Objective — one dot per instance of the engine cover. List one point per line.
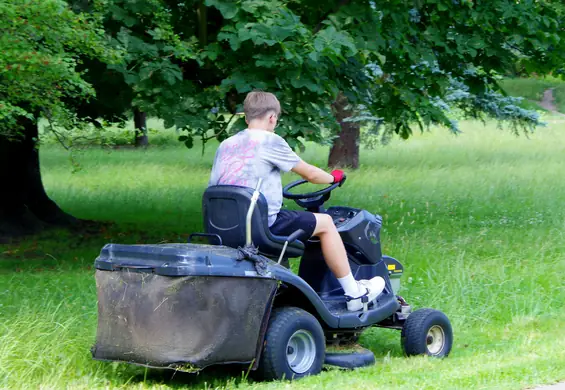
(360, 232)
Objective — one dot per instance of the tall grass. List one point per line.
(476, 219)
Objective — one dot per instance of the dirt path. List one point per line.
(548, 101)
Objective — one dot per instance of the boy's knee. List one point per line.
(324, 222)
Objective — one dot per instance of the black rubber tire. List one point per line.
(414, 336)
(284, 322)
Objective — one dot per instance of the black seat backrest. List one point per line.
(225, 209)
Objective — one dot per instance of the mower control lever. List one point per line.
(293, 237)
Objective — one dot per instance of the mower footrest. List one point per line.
(350, 359)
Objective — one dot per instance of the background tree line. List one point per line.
(390, 66)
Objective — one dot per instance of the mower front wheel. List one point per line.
(427, 332)
(294, 345)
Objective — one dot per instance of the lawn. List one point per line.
(476, 219)
(532, 89)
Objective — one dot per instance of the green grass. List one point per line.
(559, 94)
(532, 89)
(476, 219)
(110, 136)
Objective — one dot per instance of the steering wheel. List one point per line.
(311, 201)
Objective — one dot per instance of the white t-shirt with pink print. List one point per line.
(252, 154)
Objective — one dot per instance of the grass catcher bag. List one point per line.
(181, 306)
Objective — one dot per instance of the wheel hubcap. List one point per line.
(435, 340)
(301, 351)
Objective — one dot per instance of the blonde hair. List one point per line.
(258, 104)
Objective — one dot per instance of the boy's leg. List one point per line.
(333, 251)
(335, 257)
(332, 246)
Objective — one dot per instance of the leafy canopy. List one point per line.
(151, 51)
(398, 62)
(191, 62)
(40, 41)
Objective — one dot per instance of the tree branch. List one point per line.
(223, 129)
(58, 135)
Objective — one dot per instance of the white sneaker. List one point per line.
(370, 289)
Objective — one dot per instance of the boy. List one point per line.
(257, 152)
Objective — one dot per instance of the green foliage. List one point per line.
(264, 45)
(40, 41)
(147, 37)
(143, 31)
(396, 61)
(399, 62)
(427, 50)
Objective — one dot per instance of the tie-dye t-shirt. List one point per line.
(252, 154)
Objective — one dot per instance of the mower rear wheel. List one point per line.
(294, 345)
(427, 332)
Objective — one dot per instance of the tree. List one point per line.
(393, 64)
(334, 65)
(142, 31)
(39, 44)
(396, 63)
(258, 44)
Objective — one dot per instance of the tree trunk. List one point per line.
(24, 205)
(202, 13)
(345, 150)
(140, 122)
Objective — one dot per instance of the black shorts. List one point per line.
(289, 221)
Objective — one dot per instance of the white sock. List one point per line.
(349, 285)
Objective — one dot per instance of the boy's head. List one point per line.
(262, 110)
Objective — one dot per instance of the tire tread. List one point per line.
(411, 332)
(280, 318)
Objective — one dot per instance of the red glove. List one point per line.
(339, 176)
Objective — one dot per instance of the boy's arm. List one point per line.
(282, 156)
(312, 174)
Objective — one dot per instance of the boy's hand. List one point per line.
(339, 176)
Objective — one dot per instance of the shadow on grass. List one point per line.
(213, 376)
(384, 343)
(63, 248)
(233, 375)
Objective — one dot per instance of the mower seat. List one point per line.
(225, 209)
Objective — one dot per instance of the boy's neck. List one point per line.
(261, 126)
(259, 129)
